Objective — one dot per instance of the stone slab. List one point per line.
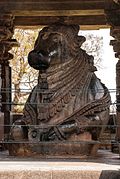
(105, 166)
(58, 170)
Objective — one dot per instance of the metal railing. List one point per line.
(106, 140)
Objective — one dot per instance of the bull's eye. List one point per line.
(56, 38)
(44, 36)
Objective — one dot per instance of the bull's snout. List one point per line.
(38, 60)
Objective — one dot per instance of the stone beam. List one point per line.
(47, 20)
(29, 5)
(34, 13)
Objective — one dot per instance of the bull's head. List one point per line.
(55, 44)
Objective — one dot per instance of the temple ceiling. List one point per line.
(33, 13)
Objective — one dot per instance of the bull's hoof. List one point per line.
(19, 131)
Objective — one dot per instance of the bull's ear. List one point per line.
(75, 28)
(37, 42)
(81, 40)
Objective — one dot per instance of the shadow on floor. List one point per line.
(110, 174)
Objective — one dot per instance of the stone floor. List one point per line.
(105, 165)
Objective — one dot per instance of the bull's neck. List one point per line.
(60, 75)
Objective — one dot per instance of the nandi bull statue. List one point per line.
(65, 111)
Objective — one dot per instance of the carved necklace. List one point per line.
(64, 84)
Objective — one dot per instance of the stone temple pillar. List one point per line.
(115, 32)
(113, 19)
(6, 43)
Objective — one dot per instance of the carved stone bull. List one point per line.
(69, 103)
